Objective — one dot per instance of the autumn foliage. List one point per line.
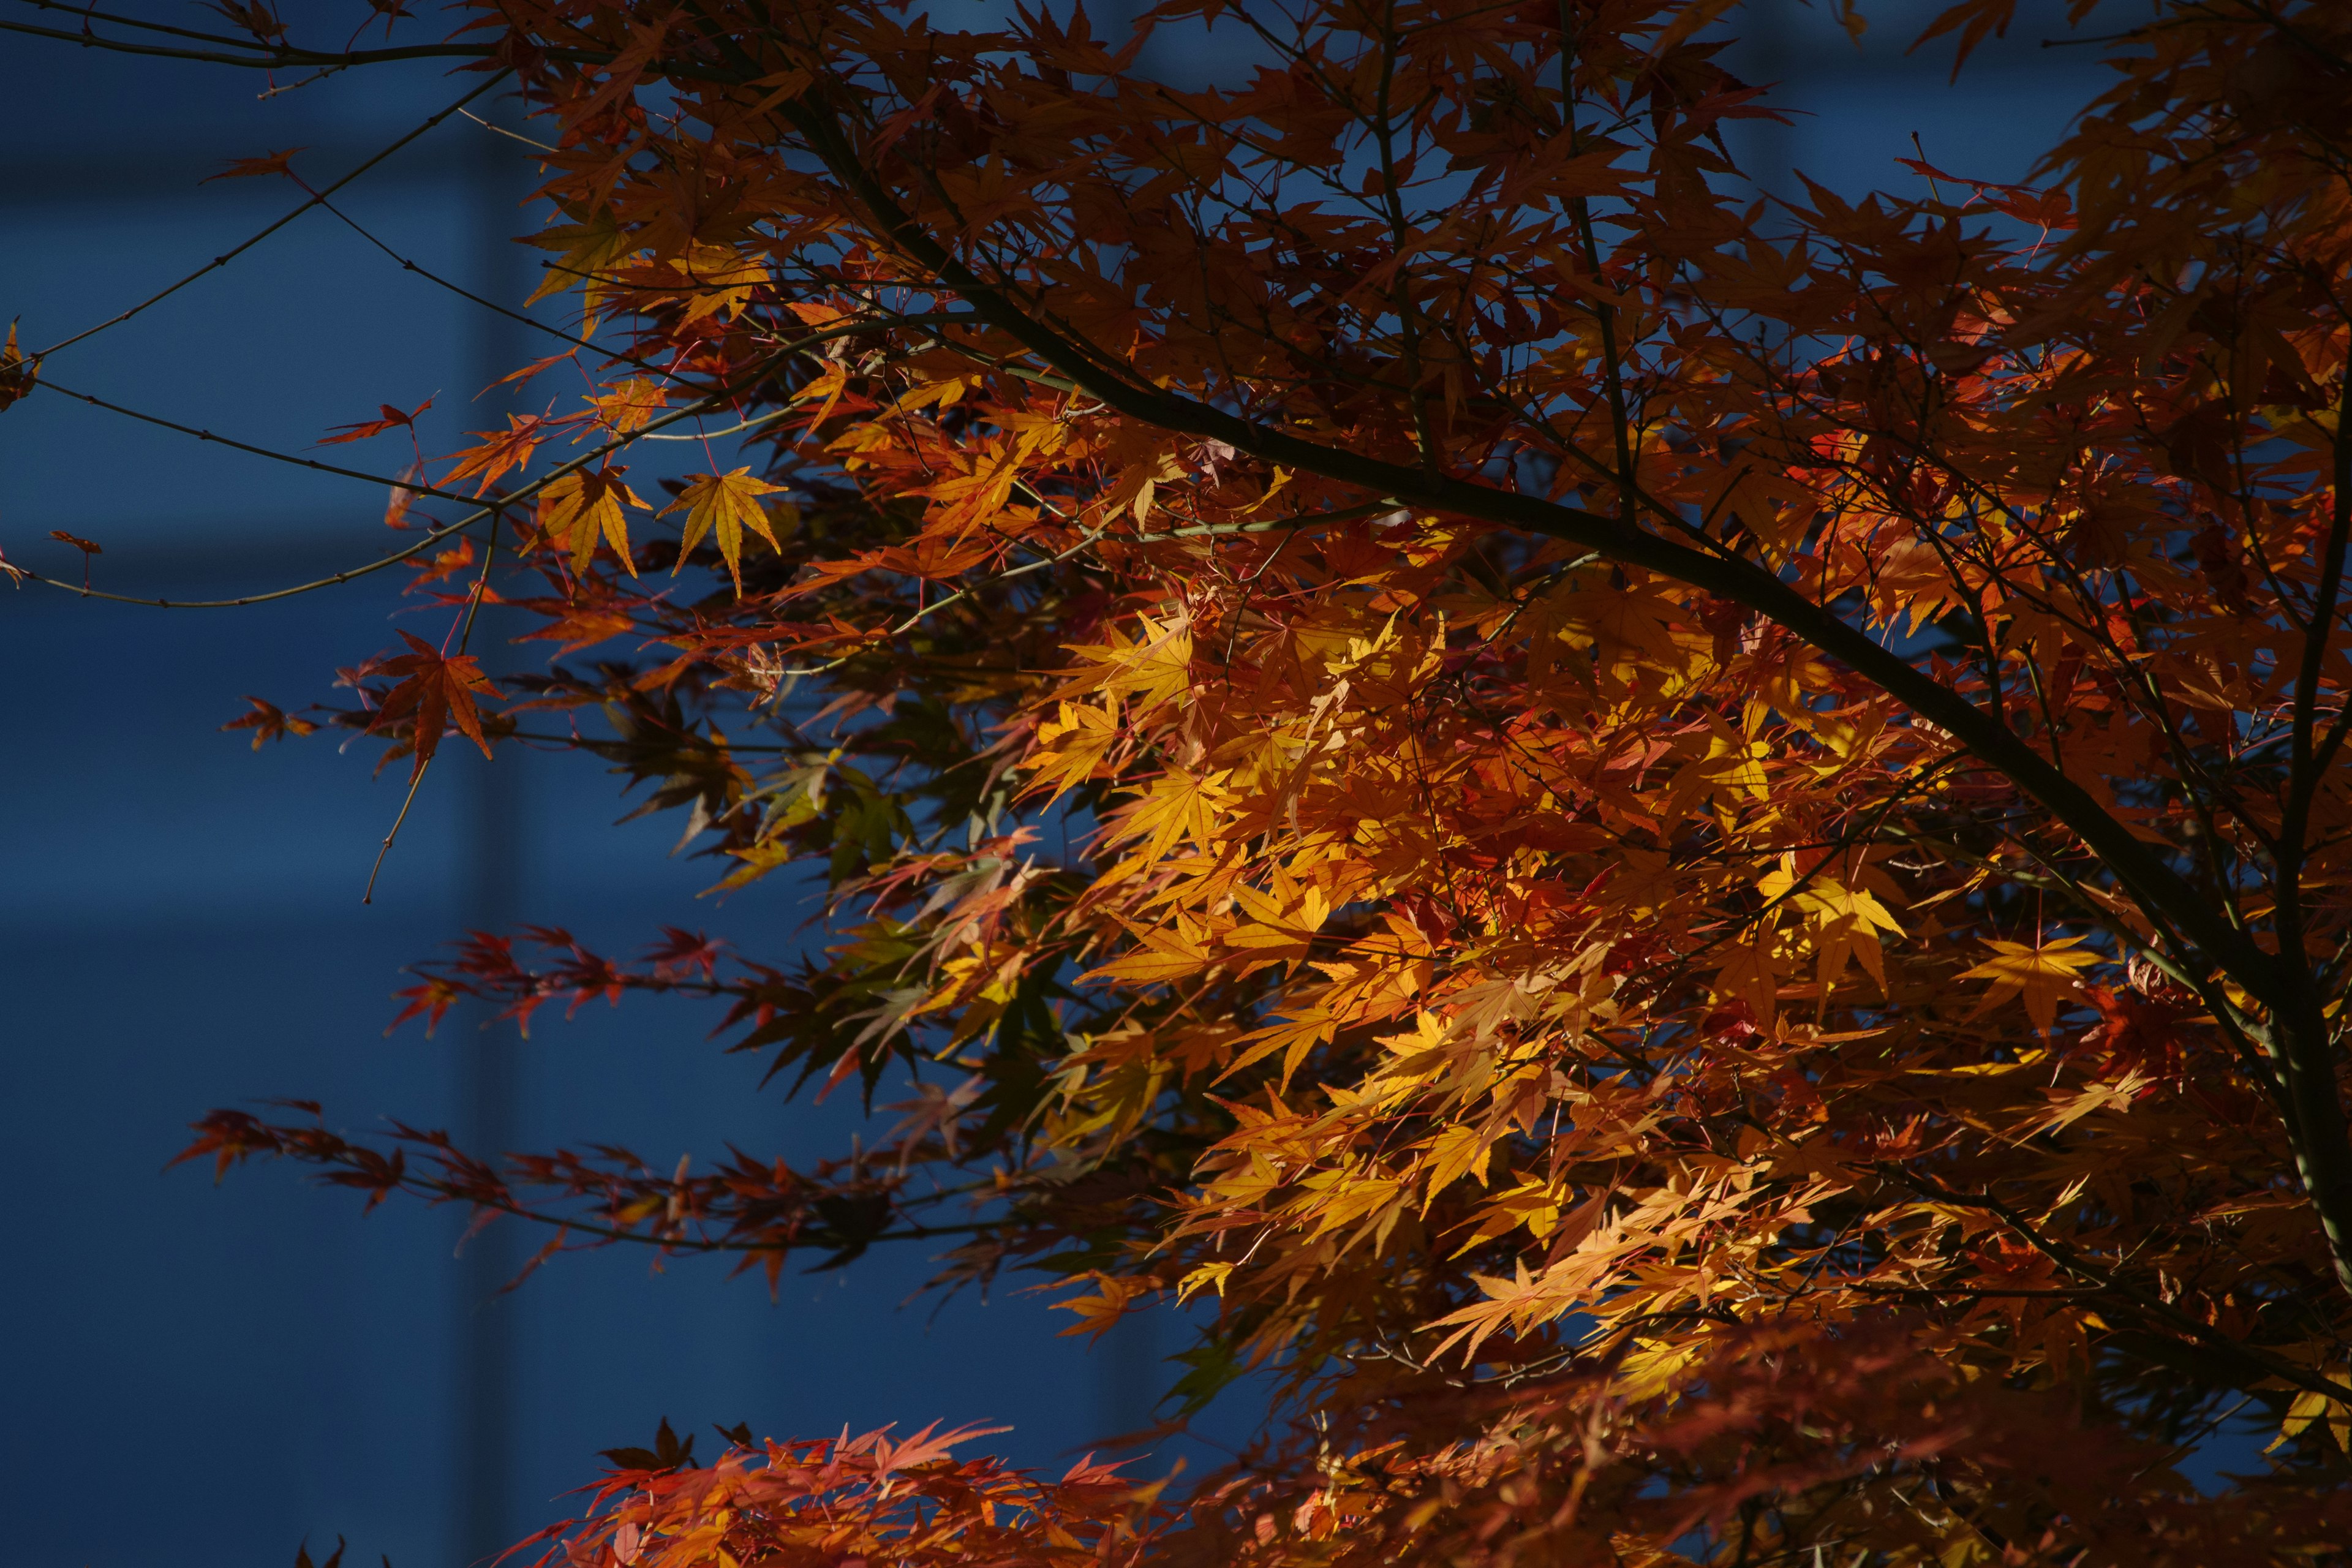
(1681, 853)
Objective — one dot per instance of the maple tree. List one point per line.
(1682, 853)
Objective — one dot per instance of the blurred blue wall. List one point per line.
(205, 1376)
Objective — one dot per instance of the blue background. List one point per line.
(207, 1375)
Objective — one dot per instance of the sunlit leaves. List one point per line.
(1679, 850)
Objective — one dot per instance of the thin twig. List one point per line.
(319, 200)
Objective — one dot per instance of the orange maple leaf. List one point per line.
(582, 505)
(500, 451)
(2044, 974)
(270, 722)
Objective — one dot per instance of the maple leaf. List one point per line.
(582, 506)
(668, 1452)
(1071, 746)
(630, 405)
(589, 250)
(270, 722)
(388, 418)
(2045, 974)
(727, 503)
(1181, 805)
(17, 371)
(1160, 957)
(1751, 972)
(255, 168)
(443, 564)
(717, 279)
(433, 692)
(402, 495)
(499, 451)
(255, 16)
(1973, 19)
(391, 11)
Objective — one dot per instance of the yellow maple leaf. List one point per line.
(1206, 1274)
(1293, 1037)
(580, 506)
(1070, 746)
(727, 503)
(2044, 976)
(1286, 919)
(1147, 670)
(1180, 804)
(1158, 961)
(2311, 1408)
(1458, 1151)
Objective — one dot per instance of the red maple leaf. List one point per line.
(436, 692)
